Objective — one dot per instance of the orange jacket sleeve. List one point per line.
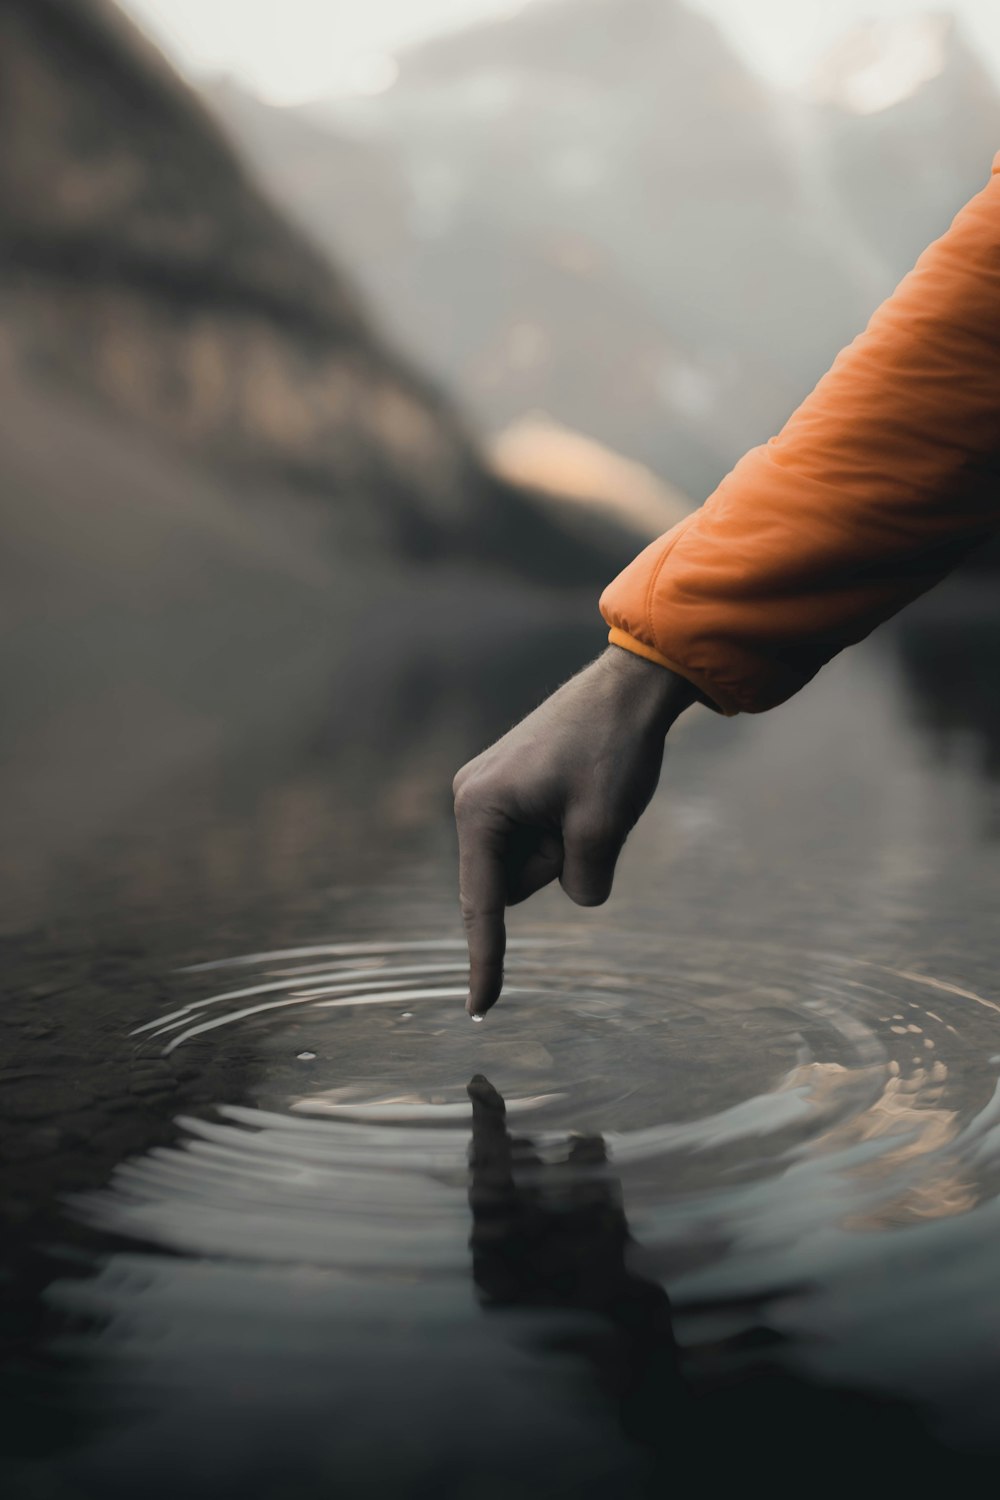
(884, 476)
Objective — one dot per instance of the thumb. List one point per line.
(591, 846)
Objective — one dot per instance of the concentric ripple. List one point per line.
(744, 1087)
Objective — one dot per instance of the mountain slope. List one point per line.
(593, 209)
(630, 134)
(140, 265)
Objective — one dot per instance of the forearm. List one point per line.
(884, 476)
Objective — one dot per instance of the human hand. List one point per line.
(556, 798)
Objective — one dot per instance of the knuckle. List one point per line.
(475, 912)
(467, 800)
(466, 774)
(482, 796)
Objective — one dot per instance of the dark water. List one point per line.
(713, 1194)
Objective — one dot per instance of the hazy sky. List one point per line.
(292, 50)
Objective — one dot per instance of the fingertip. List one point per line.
(485, 986)
(583, 894)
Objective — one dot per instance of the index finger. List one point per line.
(483, 897)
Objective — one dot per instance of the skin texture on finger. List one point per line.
(483, 896)
(589, 861)
(535, 860)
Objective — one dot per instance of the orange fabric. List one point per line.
(884, 476)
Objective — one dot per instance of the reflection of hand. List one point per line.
(550, 1234)
(557, 797)
(554, 1236)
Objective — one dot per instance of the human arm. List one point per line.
(876, 486)
(884, 476)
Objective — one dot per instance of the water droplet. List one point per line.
(477, 1019)
(407, 1015)
(306, 1056)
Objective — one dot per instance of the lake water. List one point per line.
(712, 1195)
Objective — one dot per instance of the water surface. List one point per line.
(717, 1182)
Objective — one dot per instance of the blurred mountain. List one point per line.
(600, 212)
(911, 122)
(509, 322)
(347, 191)
(141, 267)
(608, 222)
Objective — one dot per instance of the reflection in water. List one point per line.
(237, 1260)
(553, 1234)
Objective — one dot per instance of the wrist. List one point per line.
(656, 691)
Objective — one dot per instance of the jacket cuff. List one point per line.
(707, 693)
